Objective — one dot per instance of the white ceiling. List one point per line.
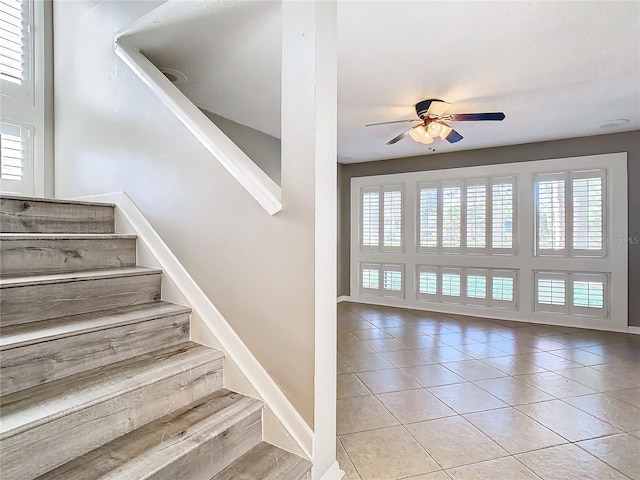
(557, 69)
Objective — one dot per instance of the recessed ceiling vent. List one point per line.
(175, 76)
(613, 124)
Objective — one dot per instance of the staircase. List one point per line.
(98, 377)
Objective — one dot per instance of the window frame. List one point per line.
(24, 91)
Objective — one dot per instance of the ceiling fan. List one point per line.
(433, 122)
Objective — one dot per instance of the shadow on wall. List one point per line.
(260, 147)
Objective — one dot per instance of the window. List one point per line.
(572, 293)
(520, 241)
(16, 161)
(16, 51)
(502, 215)
(476, 216)
(382, 279)
(570, 213)
(471, 216)
(470, 286)
(381, 219)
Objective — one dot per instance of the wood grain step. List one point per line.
(49, 425)
(266, 462)
(31, 215)
(191, 443)
(35, 298)
(38, 253)
(39, 352)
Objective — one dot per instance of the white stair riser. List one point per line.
(30, 365)
(31, 303)
(39, 256)
(44, 447)
(37, 216)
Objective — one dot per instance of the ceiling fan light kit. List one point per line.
(433, 122)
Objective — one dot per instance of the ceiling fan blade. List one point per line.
(432, 107)
(453, 137)
(474, 117)
(399, 137)
(387, 123)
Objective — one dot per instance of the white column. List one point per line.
(309, 123)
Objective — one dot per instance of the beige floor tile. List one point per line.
(441, 475)
(580, 356)
(415, 406)
(351, 349)
(473, 370)
(353, 323)
(366, 363)
(487, 336)
(513, 365)
(383, 381)
(513, 391)
(628, 395)
(371, 334)
(408, 358)
(598, 381)
(466, 398)
(431, 327)
(507, 468)
(556, 385)
(568, 462)
(350, 386)
(481, 350)
(385, 322)
(454, 339)
(432, 375)
(549, 361)
(619, 414)
(387, 345)
(406, 331)
(341, 367)
(444, 354)
(362, 413)
(568, 421)
(628, 371)
(513, 347)
(622, 452)
(387, 453)
(514, 431)
(345, 463)
(421, 341)
(635, 434)
(453, 442)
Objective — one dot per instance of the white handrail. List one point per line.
(261, 187)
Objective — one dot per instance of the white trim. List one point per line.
(343, 298)
(230, 342)
(333, 472)
(259, 185)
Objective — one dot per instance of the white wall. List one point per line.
(112, 134)
(260, 147)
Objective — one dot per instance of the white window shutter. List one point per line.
(588, 214)
(370, 219)
(16, 52)
(16, 158)
(392, 219)
(451, 224)
(428, 218)
(476, 216)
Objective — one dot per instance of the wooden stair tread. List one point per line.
(63, 236)
(15, 336)
(152, 447)
(77, 276)
(266, 462)
(55, 200)
(35, 406)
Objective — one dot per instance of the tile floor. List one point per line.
(428, 396)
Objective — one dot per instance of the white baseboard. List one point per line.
(332, 473)
(344, 298)
(129, 218)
